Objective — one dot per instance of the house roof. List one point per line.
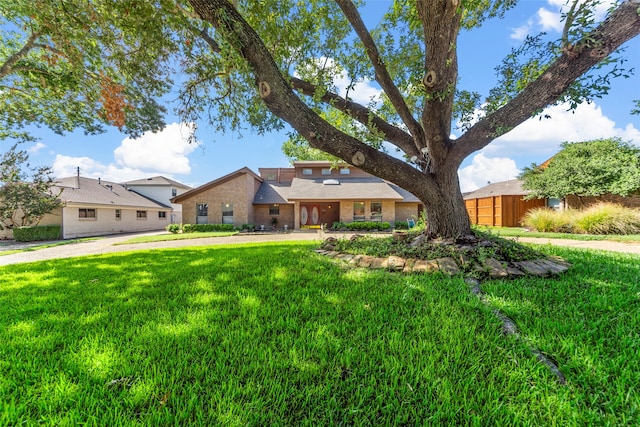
(81, 190)
(342, 188)
(406, 196)
(272, 193)
(157, 181)
(512, 187)
(216, 182)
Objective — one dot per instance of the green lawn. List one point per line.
(521, 232)
(273, 334)
(181, 236)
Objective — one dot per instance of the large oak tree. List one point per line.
(293, 50)
(77, 63)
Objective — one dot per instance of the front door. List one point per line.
(315, 214)
(309, 214)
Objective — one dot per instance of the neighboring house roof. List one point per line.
(342, 188)
(157, 181)
(406, 196)
(512, 187)
(272, 193)
(81, 190)
(215, 182)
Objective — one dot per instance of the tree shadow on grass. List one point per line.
(254, 335)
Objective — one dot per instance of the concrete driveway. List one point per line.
(108, 244)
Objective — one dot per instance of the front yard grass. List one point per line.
(180, 236)
(273, 334)
(522, 232)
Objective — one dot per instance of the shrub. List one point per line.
(35, 233)
(361, 226)
(247, 227)
(201, 228)
(401, 225)
(545, 219)
(173, 228)
(608, 218)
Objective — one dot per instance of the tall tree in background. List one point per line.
(289, 52)
(583, 169)
(25, 191)
(75, 63)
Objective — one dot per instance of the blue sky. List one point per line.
(113, 156)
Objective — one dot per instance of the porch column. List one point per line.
(296, 215)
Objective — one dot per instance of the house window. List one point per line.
(307, 171)
(227, 213)
(345, 171)
(326, 171)
(174, 192)
(118, 214)
(141, 214)
(162, 215)
(274, 209)
(202, 213)
(270, 176)
(358, 211)
(376, 211)
(86, 213)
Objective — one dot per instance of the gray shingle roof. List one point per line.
(406, 196)
(157, 180)
(513, 187)
(272, 192)
(91, 192)
(348, 188)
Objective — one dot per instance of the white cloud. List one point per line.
(36, 148)
(521, 32)
(161, 153)
(542, 136)
(549, 20)
(484, 170)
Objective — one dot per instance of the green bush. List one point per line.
(608, 218)
(401, 225)
(173, 228)
(247, 227)
(361, 226)
(201, 228)
(36, 233)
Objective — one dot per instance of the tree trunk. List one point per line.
(447, 215)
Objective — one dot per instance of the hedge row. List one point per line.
(361, 226)
(199, 228)
(37, 233)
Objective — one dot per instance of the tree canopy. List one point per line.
(274, 62)
(592, 168)
(25, 191)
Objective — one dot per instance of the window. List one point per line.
(141, 214)
(358, 211)
(202, 209)
(162, 215)
(118, 214)
(86, 213)
(274, 210)
(307, 171)
(174, 192)
(376, 211)
(270, 176)
(326, 171)
(227, 213)
(345, 171)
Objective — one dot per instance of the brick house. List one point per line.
(309, 194)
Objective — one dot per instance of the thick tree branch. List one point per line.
(393, 134)
(278, 96)
(382, 74)
(8, 65)
(441, 24)
(622, 25)
(204, 34)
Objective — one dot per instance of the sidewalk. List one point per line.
(107, 244)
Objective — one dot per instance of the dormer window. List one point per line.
(307, 171)
(345, 171)
(326, 171)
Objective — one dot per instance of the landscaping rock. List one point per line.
(495, 268)
(365, 261)
(532, 268)
(396, 262)
(379, 263)
(448, 266)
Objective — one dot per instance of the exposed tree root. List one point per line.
(509, 328)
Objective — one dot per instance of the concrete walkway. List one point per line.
(108, 244)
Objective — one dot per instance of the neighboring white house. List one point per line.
(94, 207)
(162, 190)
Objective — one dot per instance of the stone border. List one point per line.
(492, 268)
